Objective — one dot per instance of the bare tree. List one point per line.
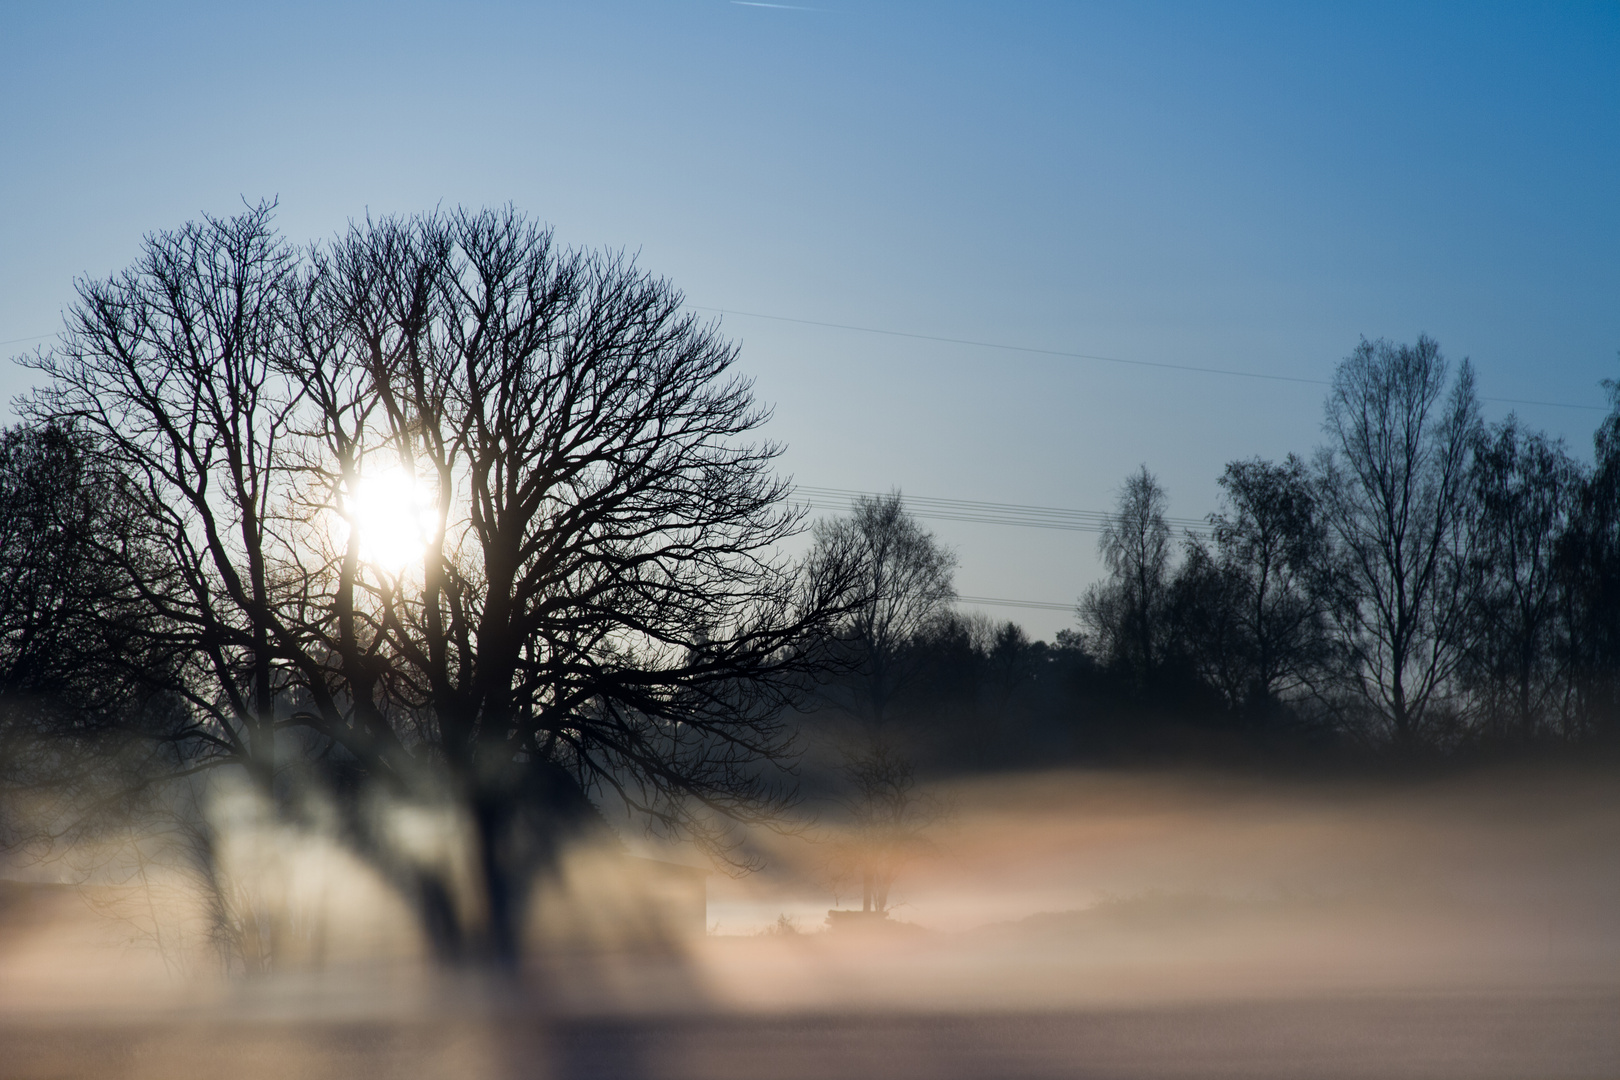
(595, 608)
(1126, 616)
(1394, 495)
(889, 823)
(1251, 604)
(906, 591)
(905, 594)
(601, 608)
(1588, 566)
(82, 702)
(168, 370)
(1523, 487)
(167, 367)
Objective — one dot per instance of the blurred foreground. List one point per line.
(1101, 924)
(1362, 1037)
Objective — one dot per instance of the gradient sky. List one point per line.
(1240, 186)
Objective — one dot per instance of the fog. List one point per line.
(1136, 922)
(1083, 888)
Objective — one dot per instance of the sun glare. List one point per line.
(394, 515)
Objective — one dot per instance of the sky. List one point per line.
(1242, 187)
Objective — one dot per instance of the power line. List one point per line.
(996, 601)
(1093, 356)
(1016, 348)
(837, 500)
(976, 504)
(1064, 353)
(834, 507)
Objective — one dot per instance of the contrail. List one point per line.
(782, 7)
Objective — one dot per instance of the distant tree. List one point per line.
(54, 649)
(1012, 665)
(976, 690)
(886, 647)
(1394, 495)
(83, 670)
(1206, 615)
(88, 717)
(1524, 488)
(906, 592)
(1588, 566)
(1127, 616)
(1251, 609)
(46, 513)
(889, 823)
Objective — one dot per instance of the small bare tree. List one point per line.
(889, 823)
(1127, 616)
(906, 590)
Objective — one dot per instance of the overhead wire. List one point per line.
(1066, 354)
(839, 500)
(974, 511)
(1038, 351)
(996, 601)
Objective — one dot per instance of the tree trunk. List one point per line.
(503, 884)
(441, 922)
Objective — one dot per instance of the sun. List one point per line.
(394, 516)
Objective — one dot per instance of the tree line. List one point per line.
(1425, 584)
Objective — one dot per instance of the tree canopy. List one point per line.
(444, 508)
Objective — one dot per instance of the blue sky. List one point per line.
(1240, 186)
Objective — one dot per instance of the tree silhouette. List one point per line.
(889, 822)
(1251, 602)
(1524, 488)
(1127, 616)
(1394, 496)
(1588, 565)
(595, 609)
(906, 591)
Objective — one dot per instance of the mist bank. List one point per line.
(1071, 923)
(1067, 889)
